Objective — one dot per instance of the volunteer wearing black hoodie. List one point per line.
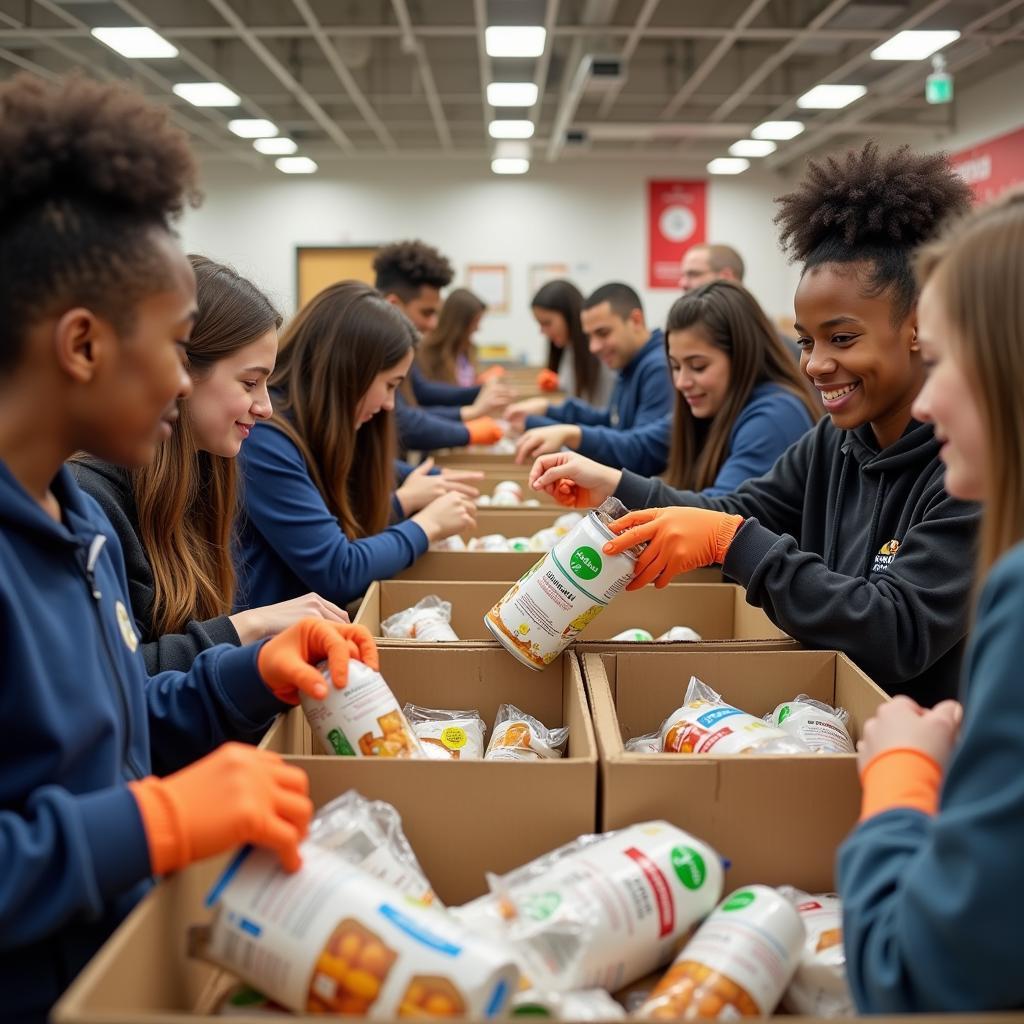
(850, 541)
(97, 301)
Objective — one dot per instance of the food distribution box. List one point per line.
(717, 611)
(476, 458)
(779, 818)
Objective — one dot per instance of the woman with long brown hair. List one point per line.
(175, 516)
(447, 354)
(319, 477)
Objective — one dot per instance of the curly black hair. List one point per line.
(405, 267)
(87, 171)
(872, 208)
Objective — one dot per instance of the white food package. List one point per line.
(634, 636)
(580, 1005)
(518, 736)
(428, 620)
(452, 543)
(650, 743)
(489, 542)
(705, 724)
(818, 726)
(680, 634)
(447, 735)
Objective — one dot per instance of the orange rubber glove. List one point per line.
(547, 380)
(492, 373)
(287, 662)
(900, 777)
(484, 430)
(572, 495)
(678, 540)
(237, 794)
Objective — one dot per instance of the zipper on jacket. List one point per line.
(117, 683)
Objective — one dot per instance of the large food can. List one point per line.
(564, 592)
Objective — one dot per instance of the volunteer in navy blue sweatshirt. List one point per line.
(929, 879)
(849, 542)
(97, 301)
(613, 320)
(319, 475)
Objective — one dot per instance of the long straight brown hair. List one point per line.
(978, 267)
(564, 298)
(330, 354)
(729, 318)
(441, 348)
(186, 498)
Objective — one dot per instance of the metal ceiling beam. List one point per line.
(413, 46)
(345, 76)
(283, 75)
(480, 18)
(629, 48)
(540, 77)
(712, 60)
(698, 130)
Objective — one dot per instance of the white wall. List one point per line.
(991, 107)
(591, 217)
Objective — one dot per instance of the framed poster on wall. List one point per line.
(540, 273)
(676, 219)
(490, 282)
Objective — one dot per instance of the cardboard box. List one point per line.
(470, 565)
(473, 458)
(778, 819)
(514, 522)
(718, 611)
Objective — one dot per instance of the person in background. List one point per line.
(850, 542)
(572, 368)
(930, 922)
(109, 776)
(175, 516)
(318, 475)
(706, 262)
(740, 400)
(613, 320)
(447, 353)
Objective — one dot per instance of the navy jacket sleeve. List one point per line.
(643, 450)
(929, 914)
(420, 431)
(437, 393)
(572, 410)
(444, 412)
(286, 508)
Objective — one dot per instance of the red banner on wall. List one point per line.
(676, 219)
(992, 167)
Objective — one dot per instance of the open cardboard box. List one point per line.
(718, 611)
(778, 819)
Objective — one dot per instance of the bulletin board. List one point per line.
(489, 281)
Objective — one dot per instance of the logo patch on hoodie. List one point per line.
(124, 623)
(885, 556)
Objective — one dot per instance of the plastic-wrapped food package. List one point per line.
(490, 542)
(519, 544)
(430, 619)
(362, 719)
(564, 592)
(453, 543)
(737, 964)
(581, 1005)
(818, 726)
(650, 743)
(705, 724)
(331, 938)
(680, 634)
(518, 736)
(447, 735)
(634, 636)
(819, 987)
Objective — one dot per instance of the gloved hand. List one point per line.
(547, 380)
(572, 495)
(237, 794)
(287, 662)
(492, 373)
(679, 539)
(484, 430)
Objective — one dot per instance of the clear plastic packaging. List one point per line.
(490, 542)
(430, 619)
(447, 735)
(452, 543)
(647, 744)
(518, 736)
(818, 726)
(368, 834)
(819, 988)
(705, 724)
(634, 636)
(680, 634)
(580, 1005)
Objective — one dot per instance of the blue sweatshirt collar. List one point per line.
(655, 342)
(21, 513)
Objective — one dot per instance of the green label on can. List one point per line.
(337, 739)
(738, 900)
(585, 563)
(689, 867)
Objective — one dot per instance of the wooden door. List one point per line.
(319, 266)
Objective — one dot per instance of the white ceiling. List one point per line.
(366, 79)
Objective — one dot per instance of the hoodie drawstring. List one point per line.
(875, 516)
(830, 559)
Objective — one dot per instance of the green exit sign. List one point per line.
(938, 88)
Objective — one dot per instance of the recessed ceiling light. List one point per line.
(295, 165)
(275, 147)
(510, 165)
(136, 42)
(830, 97)
(511, 129)
(252, 127)
(512, 148)
(914, 45)
(511, 94)
(207, 94)
(752, 147)
(515, 40)
(728, 165)
(780, 130)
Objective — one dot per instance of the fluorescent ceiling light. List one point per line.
(511, 94)
(509, 165)
(752, 147)
(511, 129)
(207, 94)
(275, 147)
(728, 165)
(136, 42)
(512, 148)
(830, 97)
(295, 165)
(515, 40)
(252, 127)
(780, 130)
(914, 45)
